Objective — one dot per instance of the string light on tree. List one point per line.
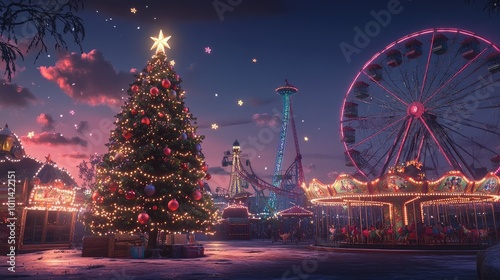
(150, 178)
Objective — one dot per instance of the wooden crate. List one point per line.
(193, 251)
(96, 246)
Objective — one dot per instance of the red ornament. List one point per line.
(113, 187)
(201, 183)
(173, 205)
(36, 180)
(149, 68)
(145, 121)
(167, 151)
(127, 135)
(153, 91)
(134, 112)
(204, 167)
(161, 115)
(135, 88)
(143, 218)
(130, 195)
(208, 176)
(100, 199)
(155, 207)
(197, 195)
(192, 135)
(184, 166)
(143, 112)
(95, 196)
(185, 109)
(166, 83)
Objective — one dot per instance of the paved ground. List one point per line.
(248, 260)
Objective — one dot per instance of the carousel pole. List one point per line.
(475, 218)
(485, 222)
(494, 221)
(446, 217)
(467, 212)
(415, 220)
(428, 217)
(366, 216)
(348, 222)
(360, 232)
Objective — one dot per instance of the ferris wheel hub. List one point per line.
(416, 109)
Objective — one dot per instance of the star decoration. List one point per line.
(133, 10)
(208, 50)
(160, 42)
(215, 126)
(172, 62)
(31, 134)
(240, 102)
(48, 159)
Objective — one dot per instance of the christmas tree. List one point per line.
(152, 177)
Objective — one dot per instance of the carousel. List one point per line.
(397, 207)
(419, 125)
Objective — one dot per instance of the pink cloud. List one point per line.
(46, 120)
(13, 95)
(53, 139)
(88, 78)
(266, 120)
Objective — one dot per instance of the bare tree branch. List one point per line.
(42, 23)
(491, 6)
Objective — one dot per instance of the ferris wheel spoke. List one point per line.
(441, 62)
(453, 146)
(454, 76)
(427, 66)
(440, 147)
(370, 137)
(458, 91)
(393, 147)
(388, 91)
(471, 139)
(420, 148)
(461, 95)
(403, 141)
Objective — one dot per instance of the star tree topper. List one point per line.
(160, 42)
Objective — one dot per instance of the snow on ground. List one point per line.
(246, 260)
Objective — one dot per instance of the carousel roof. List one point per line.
(452, 185)
(295, 211)
(235, 211)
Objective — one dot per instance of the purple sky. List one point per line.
(69, 99)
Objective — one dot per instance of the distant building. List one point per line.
(39, 200)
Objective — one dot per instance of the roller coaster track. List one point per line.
(253, 179)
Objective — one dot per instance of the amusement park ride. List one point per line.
(285, 189)
(420, 124)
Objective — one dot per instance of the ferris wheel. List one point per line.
(431, 97)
